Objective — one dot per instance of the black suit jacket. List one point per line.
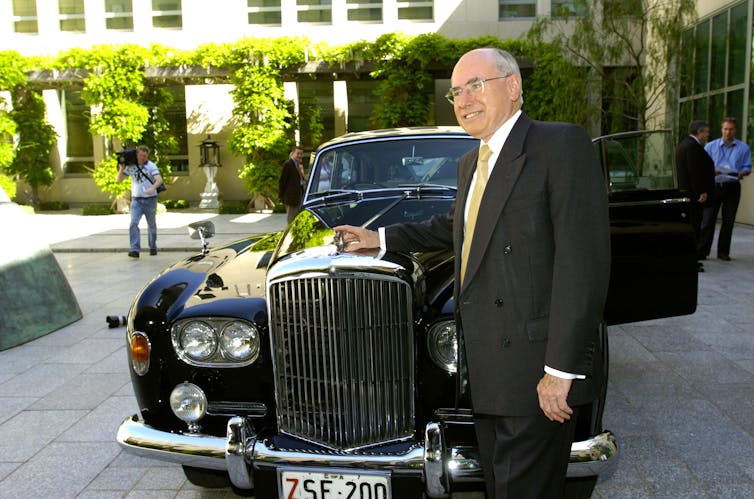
(694, 168)
(538, 269)
(290, 189)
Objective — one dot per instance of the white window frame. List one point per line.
(259, 10)
(15, 19)
(367, 6)
(516, 2)
(405, 4)
(72, 17)
(117, 15)
(166, 13)
(307, 8)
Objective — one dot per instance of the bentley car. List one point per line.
(285, 367)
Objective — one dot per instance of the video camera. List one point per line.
(127, 157)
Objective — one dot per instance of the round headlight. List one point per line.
(239, 341)
(188, 402)
(198, 340)
(442, 344)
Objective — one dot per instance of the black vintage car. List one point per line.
(281, 364)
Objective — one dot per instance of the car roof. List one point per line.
(419, 131)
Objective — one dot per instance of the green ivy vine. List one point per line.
(129, 108)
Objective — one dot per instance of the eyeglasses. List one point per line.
(476, 85)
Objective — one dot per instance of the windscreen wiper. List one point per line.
(419, 190)
(334, 196)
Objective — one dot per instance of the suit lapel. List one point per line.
(507, 169)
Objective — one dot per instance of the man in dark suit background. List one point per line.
(532, 271)
(695, 171)
(291, 183)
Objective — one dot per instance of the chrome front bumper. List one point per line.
(437, 464)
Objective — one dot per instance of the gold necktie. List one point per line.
(476, 199)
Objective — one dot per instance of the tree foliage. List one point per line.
(125, 108)
(613, 35)
(28, 157)
(129, 108)
(36, 138)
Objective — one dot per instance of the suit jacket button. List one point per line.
(507, 250)
(506, 342)
(499, 302)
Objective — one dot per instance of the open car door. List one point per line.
(654, 267)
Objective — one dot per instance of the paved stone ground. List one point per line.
(680, 399)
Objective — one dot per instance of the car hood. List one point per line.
(211, 283)
(313, 226)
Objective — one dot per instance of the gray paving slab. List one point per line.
(680, 395)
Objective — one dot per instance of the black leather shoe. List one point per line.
(153, 251)
(133, 254)
(725, 258)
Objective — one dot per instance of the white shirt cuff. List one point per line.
(383, 245)
(561, 374)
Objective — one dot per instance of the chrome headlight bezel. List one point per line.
(218, 341)
(442, 345)
(231, 341)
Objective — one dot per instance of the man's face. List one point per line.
(141, 157)
(482, 113)
(298, 155)
(729, 131)
(703, 135)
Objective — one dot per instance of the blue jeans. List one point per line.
(146, 207)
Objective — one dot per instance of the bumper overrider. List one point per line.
(438, 464)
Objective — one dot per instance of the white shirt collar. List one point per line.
(497, 141)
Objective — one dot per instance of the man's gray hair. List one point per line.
(697, 126)
(507, 65)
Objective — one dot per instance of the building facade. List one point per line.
(47, 27)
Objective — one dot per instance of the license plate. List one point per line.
(334, 484)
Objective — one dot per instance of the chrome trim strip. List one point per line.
(241, 451)
(195, 449)
(436, 476)
(651, 202)
(241, 436)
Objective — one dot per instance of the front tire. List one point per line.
(580, 488)
(209, 479)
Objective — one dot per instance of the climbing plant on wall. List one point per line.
(128, 108)
(36, 138)
(26, 138)
(263, 117)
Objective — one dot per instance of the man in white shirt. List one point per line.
(145, 179)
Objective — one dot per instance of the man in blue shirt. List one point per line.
(732, 163)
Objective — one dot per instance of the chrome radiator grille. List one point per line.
(344, 359)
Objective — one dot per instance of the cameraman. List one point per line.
(145, 178)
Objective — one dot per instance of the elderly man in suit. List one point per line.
(695, 171)
(531, 236)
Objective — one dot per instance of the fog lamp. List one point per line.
(189, 404)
